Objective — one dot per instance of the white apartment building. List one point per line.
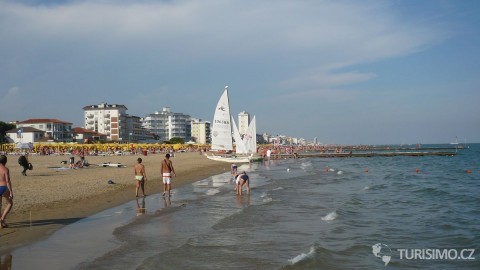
(243, 121)
(167, 125)
(54, 129)
(137, 133)
(109, 119)
(201, 131)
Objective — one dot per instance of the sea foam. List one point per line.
(211, 192)
(330, 216)
(302, 256)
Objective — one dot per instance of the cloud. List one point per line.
(10, 95)
(326, 79)
(181, 53)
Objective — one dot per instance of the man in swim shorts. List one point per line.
(140, 177)
(241, 180)
(167, 171)
(6, 190)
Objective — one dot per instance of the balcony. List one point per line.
(90, 116)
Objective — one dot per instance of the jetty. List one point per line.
(363, 154)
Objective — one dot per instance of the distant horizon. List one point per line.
(348, 72)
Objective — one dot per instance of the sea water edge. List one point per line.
(302, 214)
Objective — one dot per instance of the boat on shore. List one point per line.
(222, 139)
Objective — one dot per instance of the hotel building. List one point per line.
(243, 121)
(108, 119)
(167, 125)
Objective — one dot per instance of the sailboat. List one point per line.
(222, 140)
(456, 141)
(247, 145)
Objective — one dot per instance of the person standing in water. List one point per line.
(140, 177)
(167, 172)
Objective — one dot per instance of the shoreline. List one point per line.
(47, 200)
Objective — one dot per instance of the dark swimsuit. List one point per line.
(244, 177)
(3, 189)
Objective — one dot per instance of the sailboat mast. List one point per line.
(229, 114)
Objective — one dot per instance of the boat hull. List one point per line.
(230, 159)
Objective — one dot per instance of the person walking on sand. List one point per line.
(6, 190)
(241, 180)
(140, 177)
(23, 161)
(167, 172)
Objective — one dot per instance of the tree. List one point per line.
(176, 140)
(4, 127)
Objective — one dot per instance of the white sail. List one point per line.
(251, 137)
(222, 128)
(240, 146)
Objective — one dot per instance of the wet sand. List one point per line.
(50, 196)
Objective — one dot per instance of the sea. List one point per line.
(399, 212)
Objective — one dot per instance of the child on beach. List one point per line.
(6, 190)
(140, 177)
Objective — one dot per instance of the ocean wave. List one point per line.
(278, 188)
(302, 256)
(267, 199)
(211, 192)
(330, 216)
(305, 165)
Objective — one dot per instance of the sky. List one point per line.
(345, 72)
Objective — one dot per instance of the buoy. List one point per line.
(326, 170)
(366, 170)
(469, 171)
(417, 170)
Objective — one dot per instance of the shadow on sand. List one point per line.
(35, 223)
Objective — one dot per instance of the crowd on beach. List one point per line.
(101, 149)
(139, 175)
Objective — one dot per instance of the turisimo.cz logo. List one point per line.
(384, 252)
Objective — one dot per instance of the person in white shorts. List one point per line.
(167, 172)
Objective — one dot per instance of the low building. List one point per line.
(25, 135)
(83, 135)
(54, 129)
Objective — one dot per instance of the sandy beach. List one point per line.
(51, 196)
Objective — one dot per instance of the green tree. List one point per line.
(176, 140)
(4, 127)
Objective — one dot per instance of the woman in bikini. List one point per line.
(140, 177)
